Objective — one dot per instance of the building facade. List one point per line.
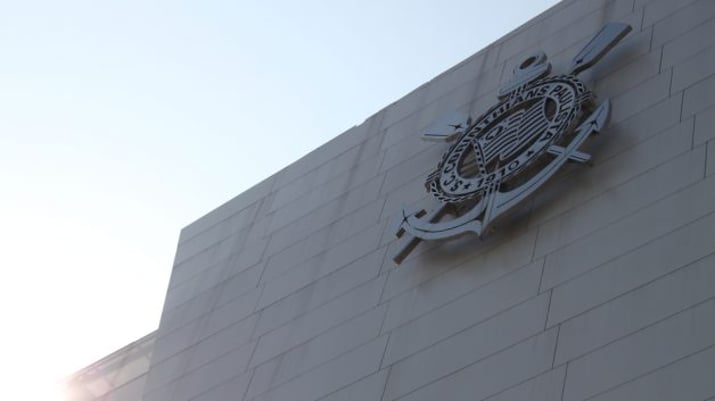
(599, 285)
(119, 376)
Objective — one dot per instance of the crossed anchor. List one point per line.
(416, 225)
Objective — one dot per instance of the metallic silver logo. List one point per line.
(498, 160)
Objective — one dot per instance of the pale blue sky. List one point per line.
(123, 121)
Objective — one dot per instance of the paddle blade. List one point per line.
(601, 44)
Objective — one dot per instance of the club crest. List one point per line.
(503, 156)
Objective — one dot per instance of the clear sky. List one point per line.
(123, 121)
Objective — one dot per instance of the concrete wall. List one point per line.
(119, 376)
(601, 287)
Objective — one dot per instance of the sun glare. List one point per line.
(31, 388)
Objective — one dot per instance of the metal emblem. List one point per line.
(502, 157)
